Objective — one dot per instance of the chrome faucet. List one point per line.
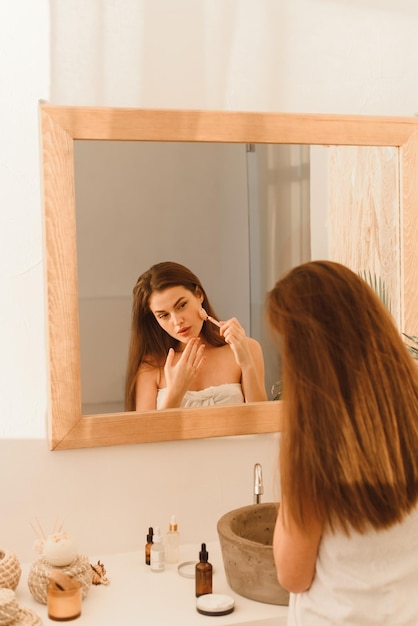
(258, 483)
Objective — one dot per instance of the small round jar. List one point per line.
(215, 604)
(63, 605)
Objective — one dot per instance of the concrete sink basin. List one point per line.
(246, 538)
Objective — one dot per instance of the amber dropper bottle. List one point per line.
(203, 573)
(148, 546)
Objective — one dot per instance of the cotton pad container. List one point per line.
(215, 604)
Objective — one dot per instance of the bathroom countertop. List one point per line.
(136, 595)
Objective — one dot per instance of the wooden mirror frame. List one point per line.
(60, 127)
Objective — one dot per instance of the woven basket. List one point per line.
(10, 570)
(12, 615)
(9, 608)
(27, 617)
(80, 569)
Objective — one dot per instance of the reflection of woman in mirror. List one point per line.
(346, 537)
(176, 358)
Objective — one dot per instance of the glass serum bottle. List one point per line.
(203, 573)
(172, 542)
(157, 552)
(148, 546)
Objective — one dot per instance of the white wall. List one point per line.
(24, 76)
(352, 56)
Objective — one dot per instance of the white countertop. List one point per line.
(136, 595)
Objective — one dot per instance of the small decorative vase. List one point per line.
(10, 570)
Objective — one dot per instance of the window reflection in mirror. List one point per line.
(237, 214)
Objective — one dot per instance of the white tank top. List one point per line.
(364, 580)
(228, 393)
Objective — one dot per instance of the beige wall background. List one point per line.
(291, 56)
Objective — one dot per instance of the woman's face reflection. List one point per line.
(177, 310)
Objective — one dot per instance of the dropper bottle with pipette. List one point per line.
(148, 546)
(203, 573)
(157, 552)
(172, 542)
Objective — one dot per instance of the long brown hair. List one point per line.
(349, 445)
(149, 343)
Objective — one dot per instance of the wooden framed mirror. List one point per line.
(61, 126)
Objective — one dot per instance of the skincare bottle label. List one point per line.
(157, 561)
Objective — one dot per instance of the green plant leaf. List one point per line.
(379, 287)
(413, 349)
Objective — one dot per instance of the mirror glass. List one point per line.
(238, 215)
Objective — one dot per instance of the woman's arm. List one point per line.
(253, 374)
(295, 550)
(249, 356)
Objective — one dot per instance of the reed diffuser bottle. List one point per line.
(203, 573)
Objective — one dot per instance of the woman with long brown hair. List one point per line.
(346, 537)
(179, 354)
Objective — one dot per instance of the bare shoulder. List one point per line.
(148, 367)
(148, 373)
(254, 343)
(146, 387)
(254, 346)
